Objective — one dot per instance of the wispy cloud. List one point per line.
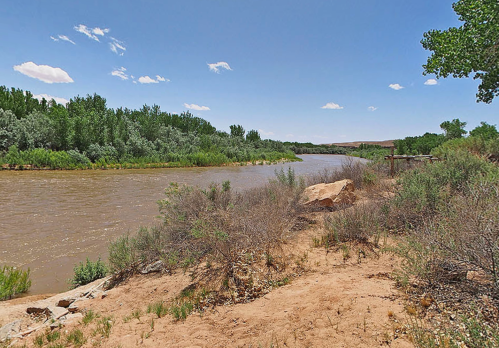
(333, 106)
(290, 135)
(395, 86)
(261, 131)
(63, 38)
(196, 107)
(117, 46)
(43, 73)
(372, 108)
(120, 73)
(161, 79)
(89, 32)
(215, 66)
(47, 97)
(431, 82)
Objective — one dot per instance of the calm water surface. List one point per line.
(51, 220)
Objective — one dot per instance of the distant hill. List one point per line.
(383, 143)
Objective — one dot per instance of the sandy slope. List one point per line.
(333, 304)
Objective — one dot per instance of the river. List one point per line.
(51, 220)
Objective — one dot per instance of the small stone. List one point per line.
(65, 302)
(73, 308)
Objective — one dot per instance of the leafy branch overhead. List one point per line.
(471, 49)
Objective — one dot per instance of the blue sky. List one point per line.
(315, 71)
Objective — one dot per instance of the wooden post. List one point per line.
(392, 162)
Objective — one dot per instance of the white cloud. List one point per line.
(290, 135)
(395, 86)
(147, 79)
(372, 108)
(120, 73)
(65, 38)
(332, 106)
(215, 66)
(117, 46)
(53, 38)
(320, 137)
(196, 107)
(261, 131)
(87, 31)
(431, 82)
(43, 73)
(50, 97)
(99, 31)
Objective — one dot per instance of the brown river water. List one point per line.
(51, 220)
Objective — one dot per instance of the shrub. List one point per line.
(13, 281)
(362, 223)
(216, 224)
(85, 273)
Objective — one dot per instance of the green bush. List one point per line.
(85, 273)
(13, 281)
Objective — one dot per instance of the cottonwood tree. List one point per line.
(471, 49)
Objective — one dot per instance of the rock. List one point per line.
(153, 267)
(73, 308)
(74, 316)
(330, 195)
(65, 302)
(56, 312)
(9, 330)
(36, 310)
(96, 294)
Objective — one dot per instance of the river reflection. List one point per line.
(51, 220)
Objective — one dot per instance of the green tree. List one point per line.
(473, 48)
(453, 129)
(485, 131)
(253, 135)
(237, 130)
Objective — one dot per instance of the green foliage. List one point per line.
(237, 130)
(88, 317)
(309, 148)
(76, 338)
(85, 273)
(468, 49)
(453, 129)
(485, 131)
(419, 145)
(253, 135)
(13, 281)
(87, 134)
(158, 308)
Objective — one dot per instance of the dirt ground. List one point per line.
(334, 303)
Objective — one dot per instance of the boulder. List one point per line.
(153, 267)
(9, 330)
(330, 195)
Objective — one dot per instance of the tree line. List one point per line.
(86, 131)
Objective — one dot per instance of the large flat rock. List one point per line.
(330, 195)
